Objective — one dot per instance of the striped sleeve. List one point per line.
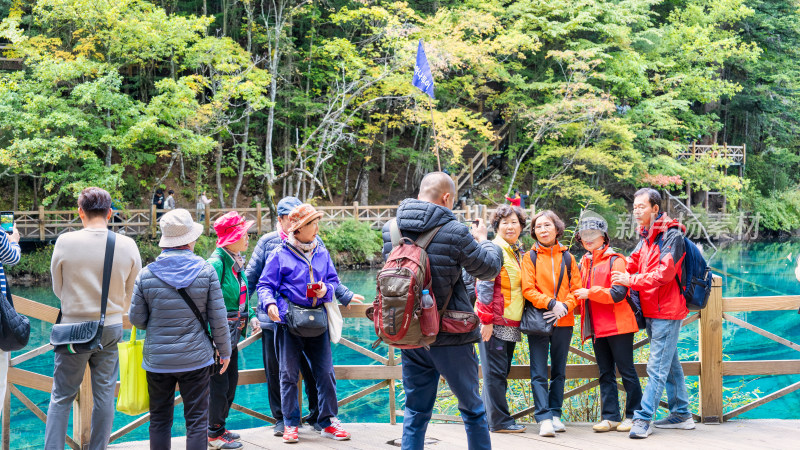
(9, 251)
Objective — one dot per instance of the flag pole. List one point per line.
(435, 145)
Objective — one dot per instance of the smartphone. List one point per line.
(311, 287)
(7, 221)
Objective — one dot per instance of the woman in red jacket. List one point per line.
(609, 320)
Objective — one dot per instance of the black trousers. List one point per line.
(273, 372)
(496, 358)
(194, 392)
(223, 391)
(548, 401)
(617, 351)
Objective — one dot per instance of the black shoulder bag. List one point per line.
(85, 337)
(204, 325)
(533, 321)
(15, 329)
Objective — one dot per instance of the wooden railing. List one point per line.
(710, 368)
(83, 402)
(737, 153)
(43, 225)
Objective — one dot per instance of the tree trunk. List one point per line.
(347, 178)
(364, 198)
(218, 173)
(108, 146)
(269, 195)
(16, 192)
(242, 162)
(35, 193)
(383, 153)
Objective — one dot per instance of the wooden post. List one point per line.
(688, 195)
(7, 418)
(153, 221)
(710, 347)
(355, 210)
(41, 223)
(82, 413)
(258, 218)
(208, 220)
(467, 212)
(471, 172)
(392, 406)
(300, 394)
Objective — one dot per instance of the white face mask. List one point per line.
(590, 235)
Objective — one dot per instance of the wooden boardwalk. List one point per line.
(740, 434)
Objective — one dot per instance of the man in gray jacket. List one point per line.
(176, 347)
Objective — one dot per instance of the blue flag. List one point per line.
(422, 72)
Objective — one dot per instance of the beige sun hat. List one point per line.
(178, 229)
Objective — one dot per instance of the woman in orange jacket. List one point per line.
(540, 280)
(609, 320)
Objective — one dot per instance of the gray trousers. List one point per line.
(67, 376)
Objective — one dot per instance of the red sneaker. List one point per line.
(335, 431)
(290, 435)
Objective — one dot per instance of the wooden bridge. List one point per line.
(737, 154)
(385, 372)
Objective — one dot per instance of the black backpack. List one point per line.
(695, 278)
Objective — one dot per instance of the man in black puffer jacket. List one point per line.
(451, 355)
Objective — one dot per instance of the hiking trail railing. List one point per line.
(43, 225)
(710, 368)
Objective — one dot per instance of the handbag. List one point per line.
(134, 398)
(306, 322)
(84, 337)
(302, 321)
(217, 366)
(533, 321)
(15, 329)
(335, 322)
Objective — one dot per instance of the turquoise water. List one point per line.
(758, 269)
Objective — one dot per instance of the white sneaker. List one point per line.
(625, 426)
(546, 428)
(558, 425)
(605, 425)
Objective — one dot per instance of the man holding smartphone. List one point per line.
(9, 255)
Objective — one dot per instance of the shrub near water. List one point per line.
(351, 242)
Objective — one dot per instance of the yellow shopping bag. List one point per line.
(133, 397)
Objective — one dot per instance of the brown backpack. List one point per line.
(399, 318)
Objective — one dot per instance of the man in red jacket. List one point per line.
(653, 271)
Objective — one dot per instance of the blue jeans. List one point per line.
(664, 370)
(458, 364)
(291, 349)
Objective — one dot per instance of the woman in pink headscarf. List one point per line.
(227, 260)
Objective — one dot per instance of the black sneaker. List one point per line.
(231, 436)
(278, 429)
(222, 443)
